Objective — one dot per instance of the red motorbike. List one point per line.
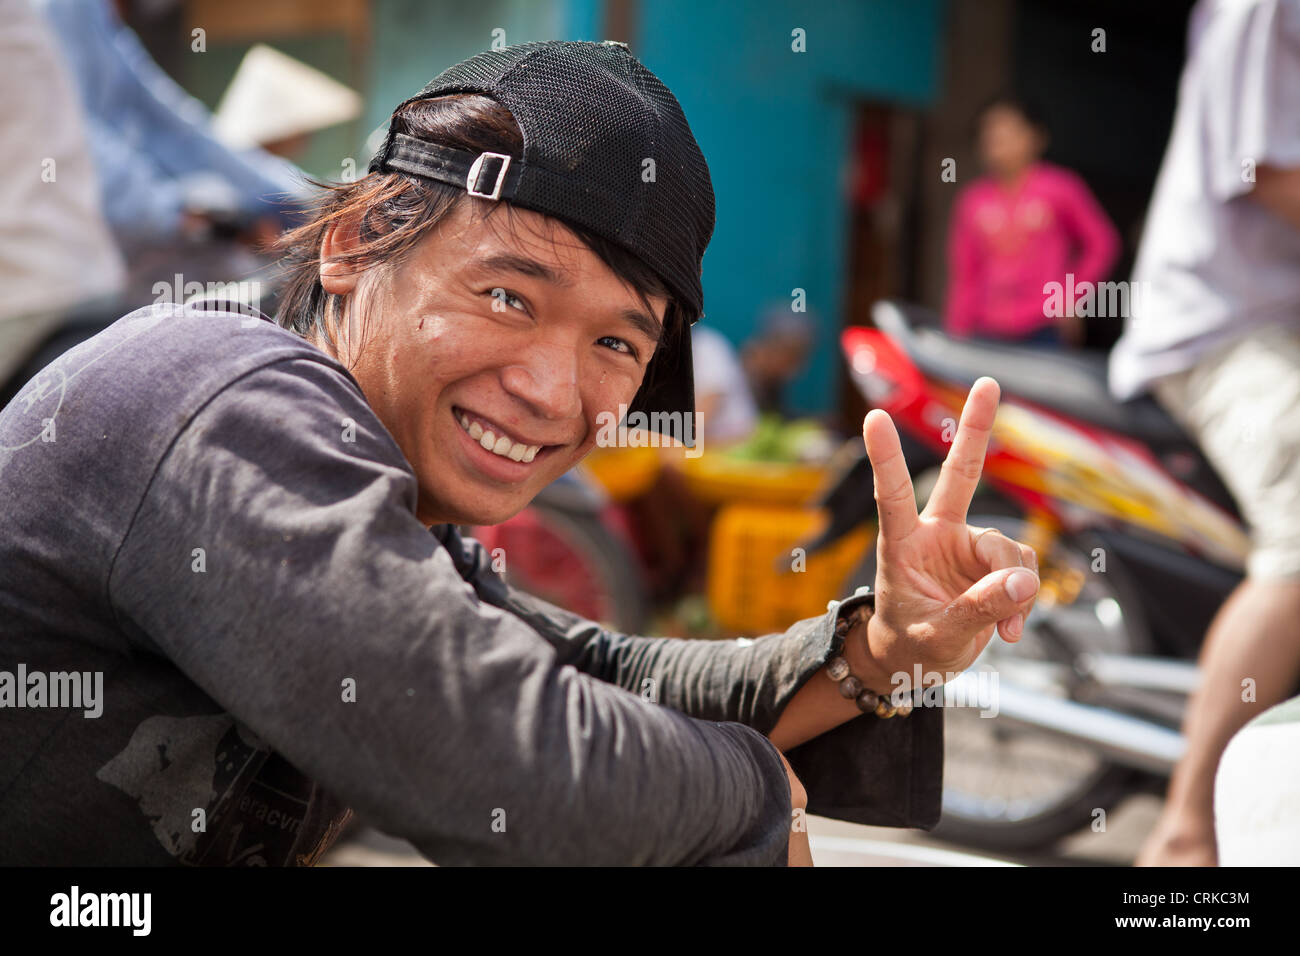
(572, 546)
(1138, 542)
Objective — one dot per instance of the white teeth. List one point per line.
(498, 445)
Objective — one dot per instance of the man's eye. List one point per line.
(622, 345)
(502, 300)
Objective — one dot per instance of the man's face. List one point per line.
(485, 334)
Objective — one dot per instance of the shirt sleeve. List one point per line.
(866, 770)
(140, 201)
(1246, 80)
(276, 560)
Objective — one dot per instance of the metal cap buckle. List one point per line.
(472, 177)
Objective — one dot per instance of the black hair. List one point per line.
(1028, 107)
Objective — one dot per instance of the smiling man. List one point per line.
(249, 529)
(512, 338)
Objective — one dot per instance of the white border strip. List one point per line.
(907, 851)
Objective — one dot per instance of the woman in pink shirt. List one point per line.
(1024, 225)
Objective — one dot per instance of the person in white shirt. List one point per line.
(1217, 340)
(56, 251)
(723, 400)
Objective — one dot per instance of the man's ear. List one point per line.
(341, 238)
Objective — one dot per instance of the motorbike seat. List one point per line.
(1072, 384)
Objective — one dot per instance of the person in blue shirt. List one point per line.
(160, 165)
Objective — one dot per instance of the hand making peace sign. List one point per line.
(941, 585)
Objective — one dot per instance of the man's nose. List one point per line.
(547, 379)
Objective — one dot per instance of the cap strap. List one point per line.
(487, 174)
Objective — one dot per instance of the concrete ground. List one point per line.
(835, 843)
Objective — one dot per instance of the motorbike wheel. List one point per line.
(1013, 788)
(571, 559)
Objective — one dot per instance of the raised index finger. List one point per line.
(965, 462)
(895, 499)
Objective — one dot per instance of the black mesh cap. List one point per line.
(591, 116)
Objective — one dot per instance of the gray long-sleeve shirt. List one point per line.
(202, 509)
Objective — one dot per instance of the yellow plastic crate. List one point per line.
(752, 589)
(721, 479)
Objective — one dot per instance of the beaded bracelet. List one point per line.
(868, 701)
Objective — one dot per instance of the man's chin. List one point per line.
(479, 513)
(484, 519)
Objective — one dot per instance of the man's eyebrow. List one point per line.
(650, 328)
(513, 262)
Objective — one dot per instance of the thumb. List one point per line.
(995, 597)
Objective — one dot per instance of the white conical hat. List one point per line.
(273, 96)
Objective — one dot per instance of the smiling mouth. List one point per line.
(493, 438)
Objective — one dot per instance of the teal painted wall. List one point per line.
(415, 40)
(775, 126)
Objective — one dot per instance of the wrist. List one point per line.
(857, 668)
(865, 660)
